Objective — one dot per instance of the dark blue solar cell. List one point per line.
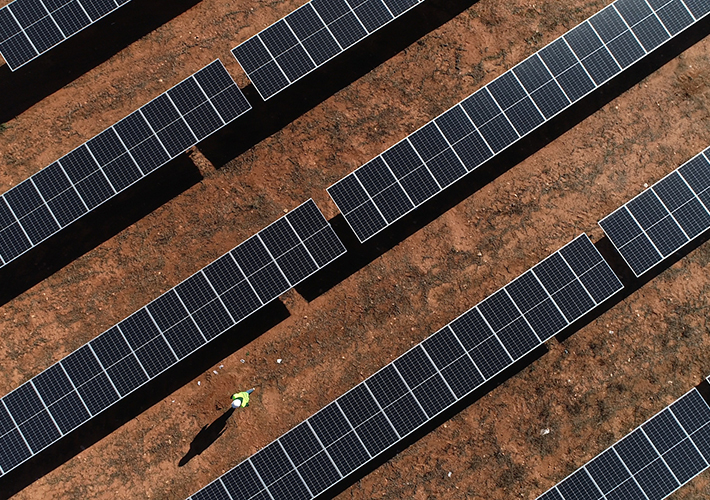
(506, 90)
(149, 155)
(625, 49)
(79, 164)
(23, 198)
(13, 450)
(526, 291)
(160, 112)
(184, 338)
(698, 7)
(167, 310)
(8, 25)
(251, 54)
(583, 40)
(156, 356)
(295, 63)
(67, 207)
(632, 11)
(357, 404)
(139, 328)
(375, 176)
(601, 66)
(348, 194)
(347, 30)
(546, 320)
(471, 329)
(675, 17)
(455, 124)
(110, 347)
(575, 82)
(98, 393)
(498, 133)
(133, 129)
(608, 24)
(187, 95)
(443, 347)
(69, 412)
(223, 273)
(304, 21)
(428, 141)
(278, 38)
(462, 376)
(330, 10)
(242, 482)
(98, 8)
(321, 46)
(608, 471)
(650, 33)
(558, 57)
(499, 310)
(472, 150)
(213, 79)
(52, 384)
(524, 116)
(620, 227)
(579, 486)
(28, 12)
(532, 73)
(518, 338)
(550, 99)
(481, 107)
(39, 224)
(23, 403)
(71, 18)
(251, 256)
(636, 451)
(44, 34)
(81, 365)
(40, 431)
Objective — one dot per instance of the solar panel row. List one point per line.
(650, 463)
(118, 157)
(156, 337)
(446, 149)
(424, 381)
(663, 218)
(310, 36)
(29, 28)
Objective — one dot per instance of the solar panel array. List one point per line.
(663, 218)
(650, 463)
(424, 381)
(156, 337)
(29, 28)
(310, 36)
(118, 157)
(520, 100)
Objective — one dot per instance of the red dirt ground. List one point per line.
(589, 391)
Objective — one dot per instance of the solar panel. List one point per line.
(663, 218)
(449, 364)
(29, 28)
(309, 37)
(118, 157)
(167, 330)
(651, 462)
(461, 139)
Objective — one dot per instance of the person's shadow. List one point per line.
(206, 437)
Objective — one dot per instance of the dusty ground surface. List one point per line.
(591, 390)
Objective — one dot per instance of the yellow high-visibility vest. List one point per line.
(244, 396)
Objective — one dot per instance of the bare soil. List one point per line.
(589, 391)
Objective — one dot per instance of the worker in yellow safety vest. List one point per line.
(241, 399)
